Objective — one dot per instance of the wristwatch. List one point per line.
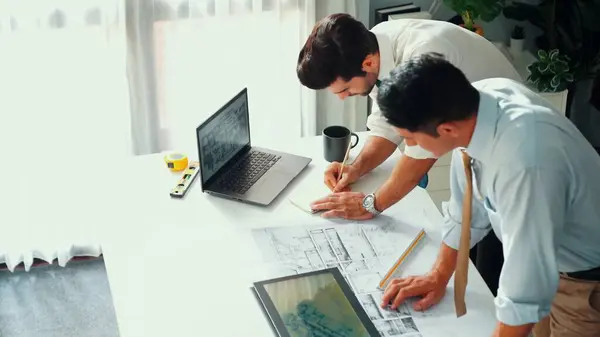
(369, 204)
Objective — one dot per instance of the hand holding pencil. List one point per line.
(339, 176)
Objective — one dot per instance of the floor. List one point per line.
(52, 301)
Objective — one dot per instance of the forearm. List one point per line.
(503, 330)
(445, 264)
(406, 175)
(374, 152)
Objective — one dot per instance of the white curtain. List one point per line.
(64, 118)
(190, 56)
(85, 84)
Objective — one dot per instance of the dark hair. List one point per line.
(425, 92)
(337, 47)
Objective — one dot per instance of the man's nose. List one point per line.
(343, 95)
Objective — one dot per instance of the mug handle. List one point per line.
(355, 143)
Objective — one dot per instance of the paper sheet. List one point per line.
(313, 188)
(362, 251)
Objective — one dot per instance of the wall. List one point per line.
(496, 30)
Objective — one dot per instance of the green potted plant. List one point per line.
(551, 72)
(471, 10)
(572, 27)
(517, 39)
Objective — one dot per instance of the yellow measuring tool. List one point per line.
(394, 270)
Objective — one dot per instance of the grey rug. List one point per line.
(52, 301)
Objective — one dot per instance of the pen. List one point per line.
(344, 161)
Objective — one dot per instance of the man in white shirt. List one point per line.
(535, 185)
(342, 55)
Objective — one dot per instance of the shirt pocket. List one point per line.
(492, 214)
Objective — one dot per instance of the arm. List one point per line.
(408, 171)
(381, 144)
(406, 175)
(531, 225)
(376, 150)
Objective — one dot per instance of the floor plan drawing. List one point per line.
(363, 252)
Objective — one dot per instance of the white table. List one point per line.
(184, 267)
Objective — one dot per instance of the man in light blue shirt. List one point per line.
(535, 179)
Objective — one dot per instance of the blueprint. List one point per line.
(362, 251)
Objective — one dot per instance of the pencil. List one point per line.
(344, 161)
(402, 258)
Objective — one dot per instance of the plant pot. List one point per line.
(476, 29)
(516, 47)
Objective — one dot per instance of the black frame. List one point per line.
(275, 318)
(238, 155)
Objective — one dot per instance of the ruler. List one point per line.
(395, 270)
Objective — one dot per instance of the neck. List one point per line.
(469, 126)
(378, 63)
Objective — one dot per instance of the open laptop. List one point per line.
(230, 167)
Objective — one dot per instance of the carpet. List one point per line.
(52, 301)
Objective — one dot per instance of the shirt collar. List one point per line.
(386, 55)
(485, 128)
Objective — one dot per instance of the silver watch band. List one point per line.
(370, 207)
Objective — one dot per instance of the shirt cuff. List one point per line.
(513, 313)
(418, 152)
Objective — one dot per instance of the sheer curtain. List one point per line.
(191, 56)
(87, 83)
(64, 117)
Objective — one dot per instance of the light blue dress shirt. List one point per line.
(537, 186)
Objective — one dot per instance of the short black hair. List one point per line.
(337, 47)
(425, 92)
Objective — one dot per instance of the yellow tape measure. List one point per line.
(176, 161)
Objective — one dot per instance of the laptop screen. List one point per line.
(224, 135)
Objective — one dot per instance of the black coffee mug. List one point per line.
(335, 142)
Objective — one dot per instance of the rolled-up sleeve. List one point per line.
(532, 205)
(380, 127)
(452, 209)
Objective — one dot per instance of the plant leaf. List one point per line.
(555, 81)
(521, 11)
(543, 55)
(568, 77)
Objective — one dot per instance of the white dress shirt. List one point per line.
(536, 180)
(402, 39)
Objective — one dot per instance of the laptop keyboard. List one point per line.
(243, 175)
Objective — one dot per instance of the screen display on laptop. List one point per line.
(315, 304)
(221, 138)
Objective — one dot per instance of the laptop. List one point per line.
(231, 167)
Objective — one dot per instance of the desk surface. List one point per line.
(184, 267)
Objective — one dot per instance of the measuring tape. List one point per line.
(176, 161)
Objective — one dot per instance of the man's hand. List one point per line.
(347, 205)
(429, 287)
(349, 176)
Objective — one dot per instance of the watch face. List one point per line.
(368, 202)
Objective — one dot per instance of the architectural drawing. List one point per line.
(362, 252)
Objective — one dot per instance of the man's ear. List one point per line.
(370, 63)
(448, 130)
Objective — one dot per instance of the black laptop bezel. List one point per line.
(275, 318)
(205, 186)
